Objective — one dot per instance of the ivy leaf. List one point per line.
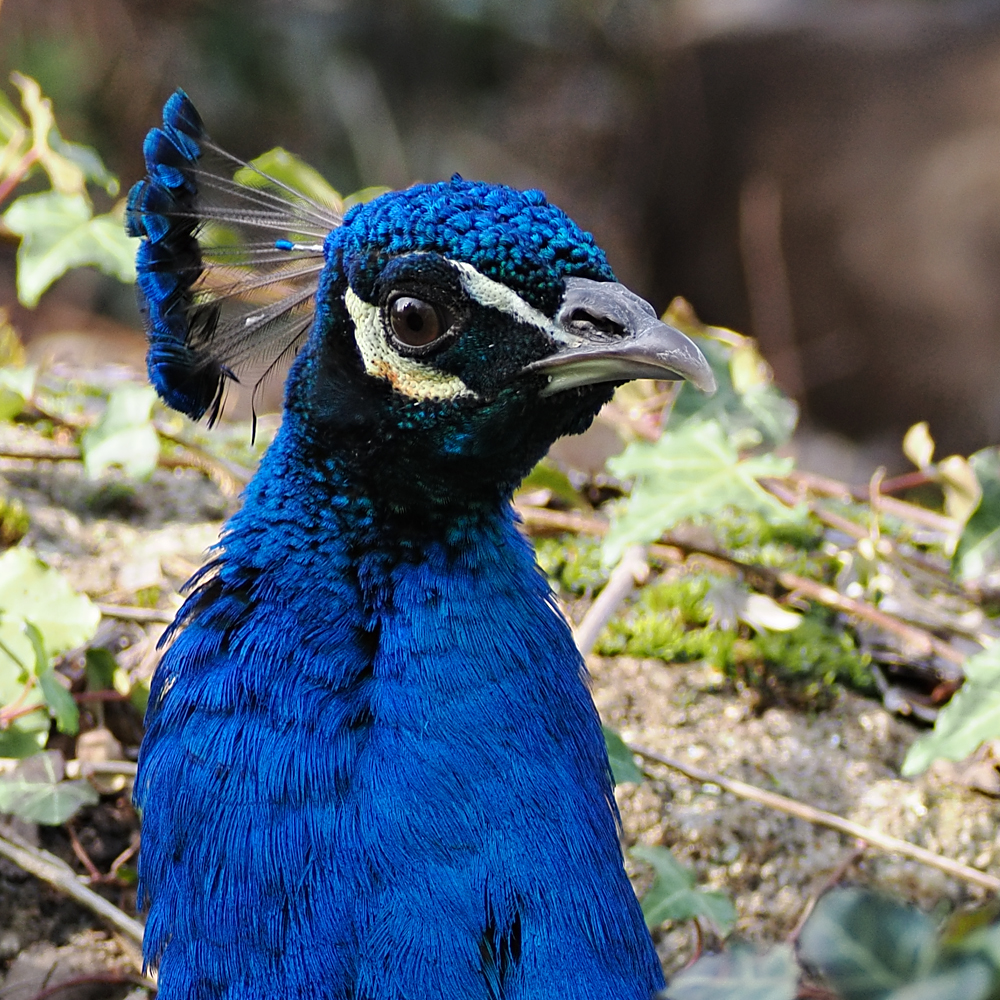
(978, 550)
(124, 435)
(291, 171)
(969, 719)
(689, 473)
(60, 702)
(65, 176)
(86, 158)
(31, 591)
(623, 765)
(868, 946)
(674, 897)
(35, 792)
(59, 232)
(747, 404)
(739, 973)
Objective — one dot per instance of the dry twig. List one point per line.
(57, 873)
(818, 816)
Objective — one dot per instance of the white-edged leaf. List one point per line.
(689, 474)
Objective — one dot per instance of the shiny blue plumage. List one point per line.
(372, 768)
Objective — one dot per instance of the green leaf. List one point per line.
(690, 473)
(124, 435)
(87, 159)
(31, 591)
(40, 615)
(868, 946)
(978, 550)
(289, 170)
(100, 666)
(747, 404)
(35, 792)
(58, 232)
(16, 387)
(739, 973)
(60, 702)
(623, 765)
(674, 897)
(972, 980)
(969, 719)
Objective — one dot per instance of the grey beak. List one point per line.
(615, 336)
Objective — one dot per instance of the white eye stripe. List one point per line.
(495, 295)
(409, 376)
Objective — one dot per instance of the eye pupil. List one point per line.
(414, 322)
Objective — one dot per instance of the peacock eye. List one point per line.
(414, 322)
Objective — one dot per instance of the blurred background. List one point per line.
(821, 174)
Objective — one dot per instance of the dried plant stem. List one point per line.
(888, 505)
(821, 818)
(128, 613)
(920, 641)
(57, 873)
(631, 570)
(229, 477)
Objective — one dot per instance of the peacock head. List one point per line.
(465, 326)
(457, 329)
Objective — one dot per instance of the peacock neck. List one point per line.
(312, 512)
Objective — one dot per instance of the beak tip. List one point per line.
(707, 383)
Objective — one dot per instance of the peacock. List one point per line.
(372, 769)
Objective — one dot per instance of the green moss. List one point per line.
(817, 654)
(666, 622)
(671, 621)
(572, 563)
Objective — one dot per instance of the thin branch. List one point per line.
(229, 477)
(821, 818)
(84, 768)
(129, 613)
(57, 873)
(632, 570)
(888, 505)
(919, 641)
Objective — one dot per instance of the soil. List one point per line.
(115, 541)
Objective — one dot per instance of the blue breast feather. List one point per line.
(434, 820)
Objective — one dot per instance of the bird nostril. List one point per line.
(592, 321)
